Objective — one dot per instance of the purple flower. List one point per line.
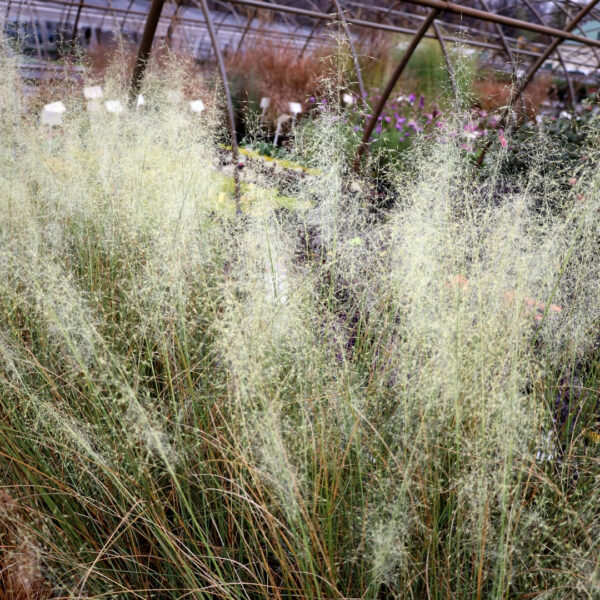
(422, 102)
(411, 99)
(378, 129)
(387, 119)
(312, 99)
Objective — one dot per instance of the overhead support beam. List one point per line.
(467, 11)
(145, 48)
(533, 69)
(439, 5)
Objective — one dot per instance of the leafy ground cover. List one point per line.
(320, 398)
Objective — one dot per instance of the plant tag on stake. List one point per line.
(52, 114)
(140, 101)
(280, 121)
(295, 108)
(93, 92)
(197, 106)
(114, 106)
(264, 105)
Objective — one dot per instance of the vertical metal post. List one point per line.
(230, 115)
(361, 87)
(449, 66)
(173, 22)
(245, 32)
(145, 48)
(76, 24)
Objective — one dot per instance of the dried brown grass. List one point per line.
(278, 73)
(494, 94)
(21, 575)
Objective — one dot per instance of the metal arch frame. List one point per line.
(440, 38)
(313, 30)
(370, 24)
(566, 13)
(550, 49)
(442, 5)
(251, 18)
(533, 69)
(449, 65)
(503, 40)
(436, 7)
(469, 42)
(538, 16)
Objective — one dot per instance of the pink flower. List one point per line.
(503, 141)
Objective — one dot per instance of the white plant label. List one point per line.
(295, 108)
(197, 106)
(140, 101)
(92, 92)
(114, 106)
(265, 102)
(348, 99)
(52, 114)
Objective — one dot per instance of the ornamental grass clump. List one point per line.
(328, 396)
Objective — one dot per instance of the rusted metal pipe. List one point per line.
(230, 114)
(245, 32)
(533, 69)
(391, 84)
(76, 25)
(314, 29)
(539, 17)
(502, 37)
(145, 48)
(173, 22)
(440, 5)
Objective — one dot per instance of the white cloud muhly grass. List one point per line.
(373, 383)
